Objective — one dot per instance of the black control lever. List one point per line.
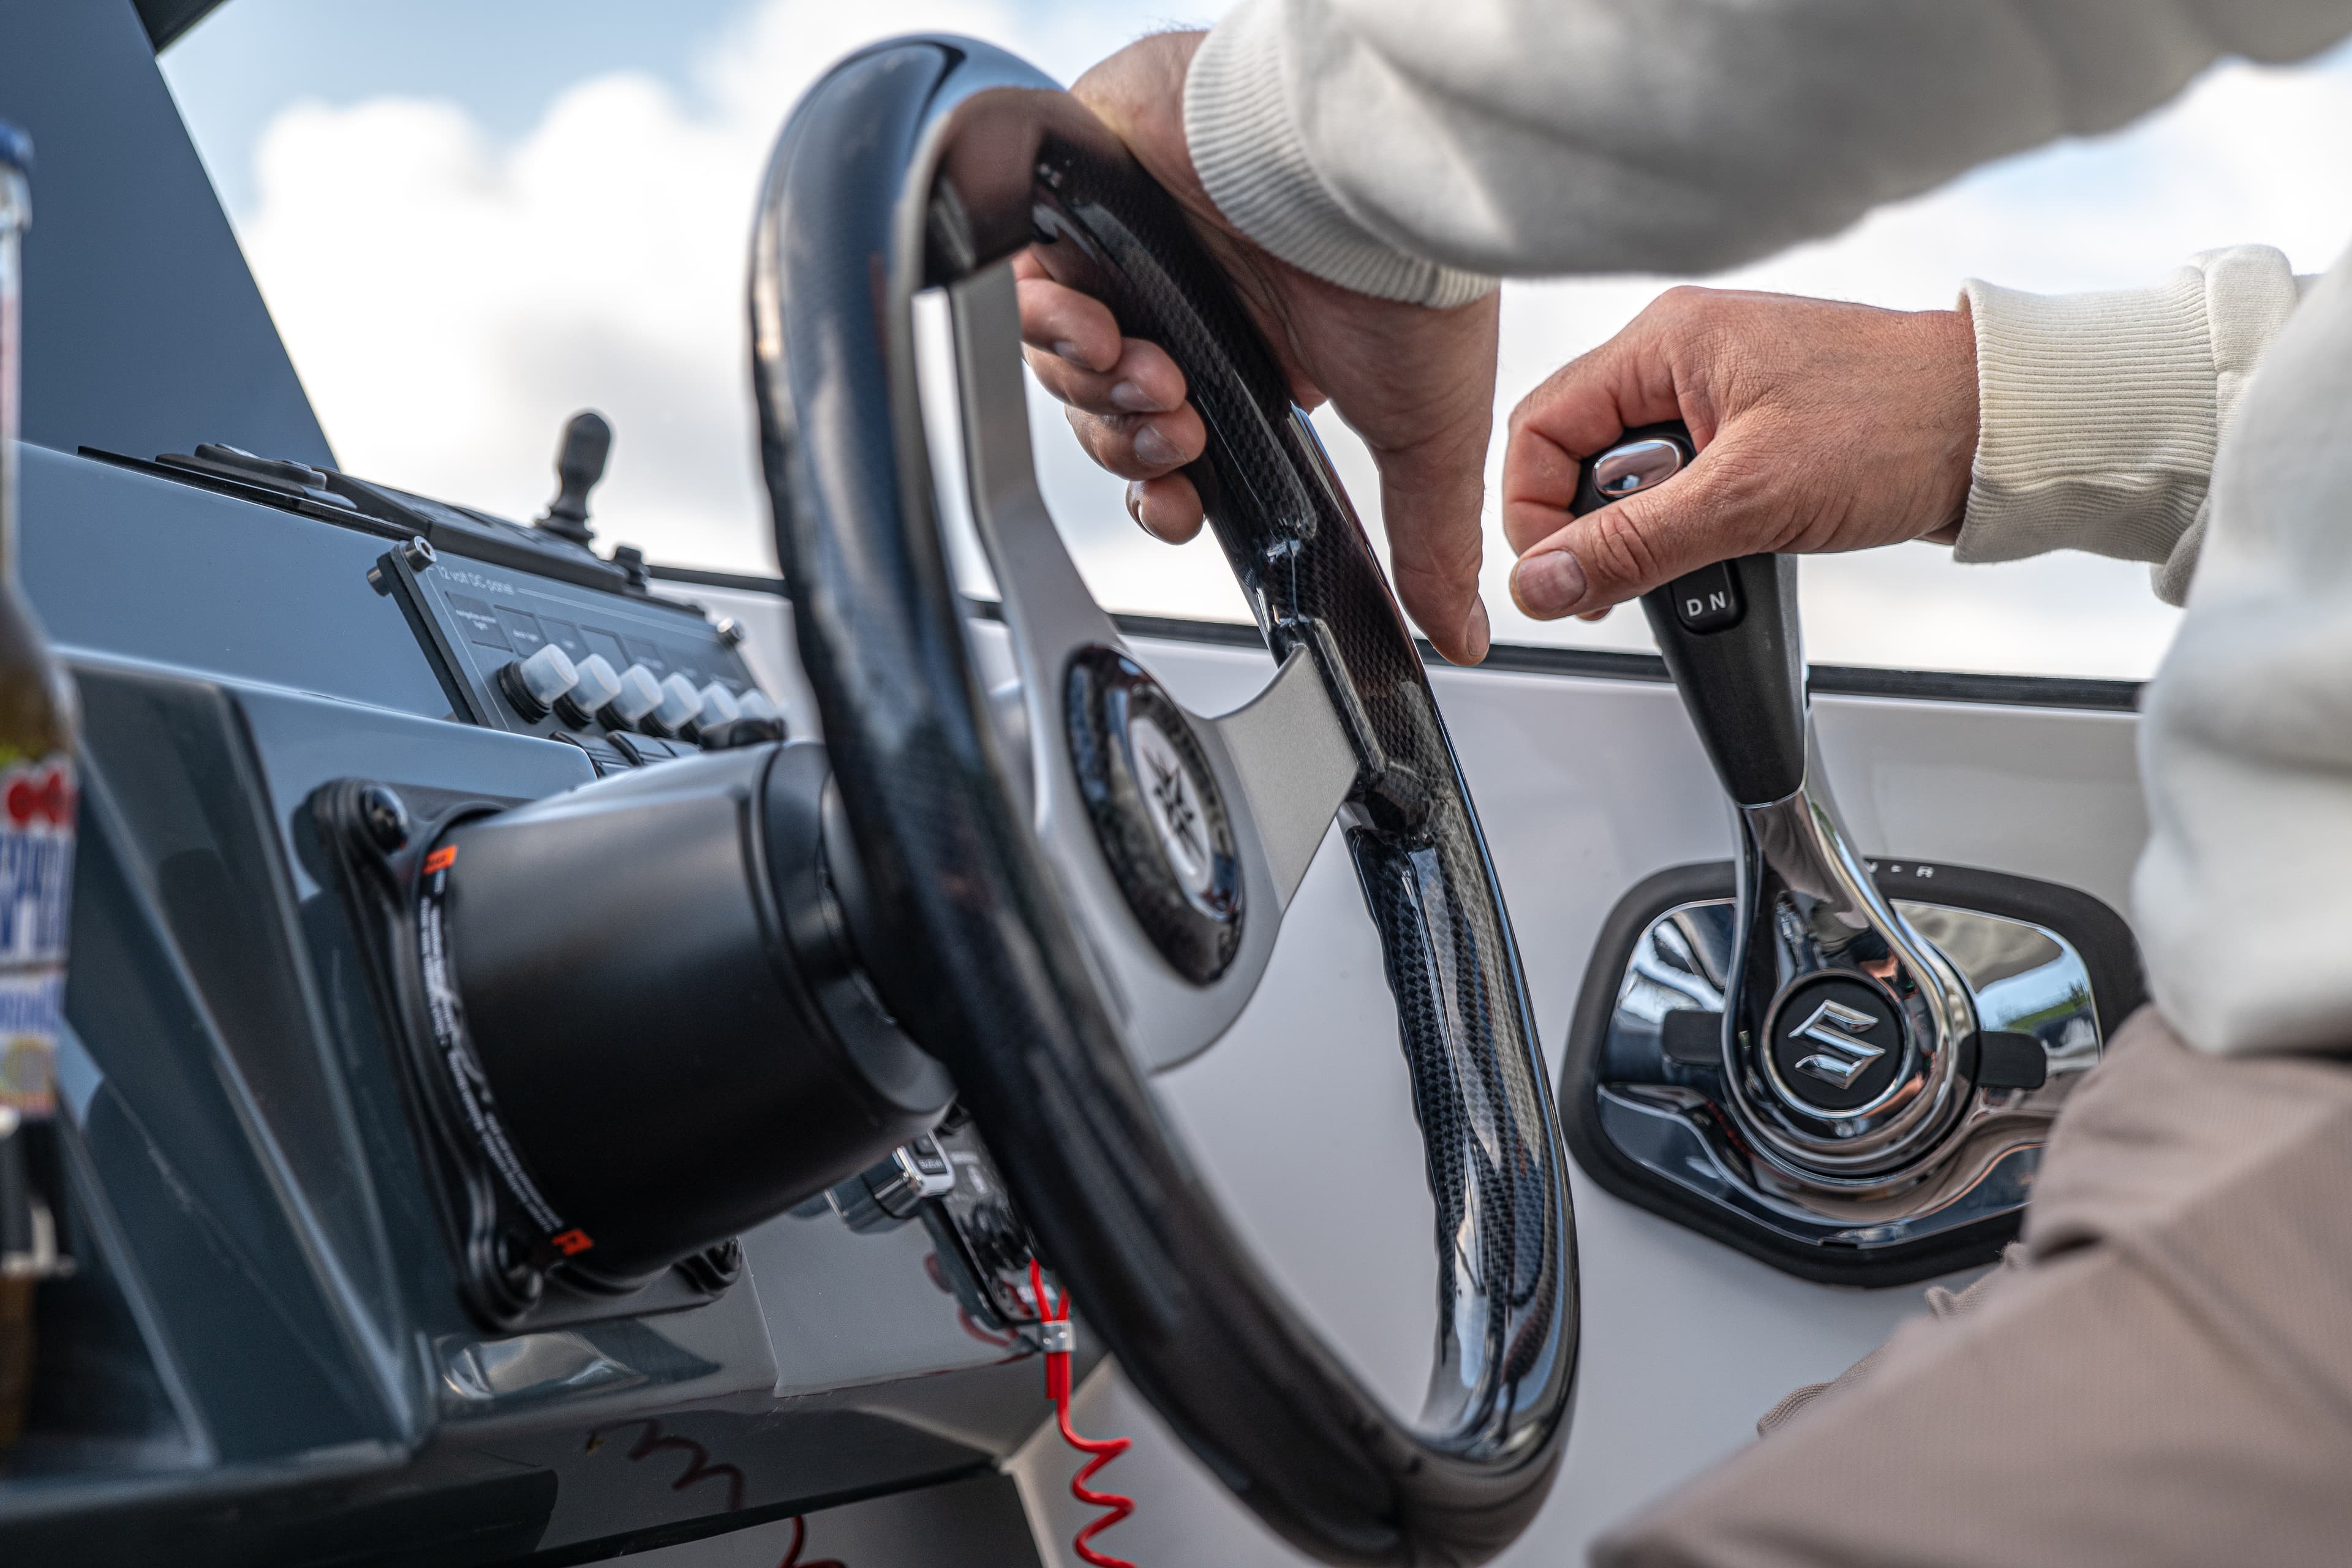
(578, 464)
(1848, 1041)
(1728, 631)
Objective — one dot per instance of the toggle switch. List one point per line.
(719, 706)
(639, 694)
(680, 706)
(535, 684)
(754, 704)
(594, 685)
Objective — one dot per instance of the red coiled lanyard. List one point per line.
(1054, 1332)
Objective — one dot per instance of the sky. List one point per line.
(470, 220)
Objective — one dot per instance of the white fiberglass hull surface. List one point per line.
(1301, 1115)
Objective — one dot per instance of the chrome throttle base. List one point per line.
(1844, 1030)
(1855, 1084)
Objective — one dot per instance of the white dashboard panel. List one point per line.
(1301, 1116)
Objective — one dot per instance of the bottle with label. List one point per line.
(38, 800)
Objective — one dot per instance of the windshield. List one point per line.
(469, 221)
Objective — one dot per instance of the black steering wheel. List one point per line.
(1090, 887)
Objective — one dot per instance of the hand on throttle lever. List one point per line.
(1820, 426)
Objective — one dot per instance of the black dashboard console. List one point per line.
(311, 1321)
(485, 595)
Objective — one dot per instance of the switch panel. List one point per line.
(626, 677)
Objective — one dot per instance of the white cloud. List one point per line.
(450, 298)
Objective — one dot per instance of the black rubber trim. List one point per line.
(741, 582)
(2099, 934)
(1962, 686)
(166, 21)
(1603, 664)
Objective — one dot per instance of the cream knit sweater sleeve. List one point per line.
(2099, 414)
(1414, 149)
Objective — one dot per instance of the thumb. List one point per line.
(1705, 514)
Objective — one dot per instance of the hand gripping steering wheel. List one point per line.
(1086, 887)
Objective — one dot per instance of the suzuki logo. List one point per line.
(1838, 1030)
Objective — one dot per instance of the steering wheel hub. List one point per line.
(1157, 812)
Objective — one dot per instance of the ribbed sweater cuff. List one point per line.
(2097, 420)
(1251, 153)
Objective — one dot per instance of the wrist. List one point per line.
(1951, 360)
(2098, 420)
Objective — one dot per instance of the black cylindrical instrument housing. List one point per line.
(659, 978)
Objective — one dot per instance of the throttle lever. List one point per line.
(1848, 1040)
(1728, 631)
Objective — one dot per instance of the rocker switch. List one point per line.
(1708, 600)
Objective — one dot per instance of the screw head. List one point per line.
(511, 1254)
(730, 630)
(385, 815)
(417, 553)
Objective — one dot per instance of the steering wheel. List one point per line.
(1092, 889)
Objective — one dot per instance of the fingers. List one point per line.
(1582, 566)
(1077, 328)
(1820, 426)
(1431, 497)
(1418, 385)
(1579, 410)
(1137, 447)
(1168, 508)
(1125, 399)
(1706, 513)
(1539, 481)
(1140, 378)
(1074, 348)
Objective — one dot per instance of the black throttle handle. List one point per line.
(1728, 631)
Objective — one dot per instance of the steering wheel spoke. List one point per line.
(1291, 759)
(1275, 769)
(1048, 608)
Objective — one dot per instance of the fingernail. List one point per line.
(1134, 399)
(1069, 350)
(1477, 634)
(1547, 584)
(1152, 448)
(1134, 501)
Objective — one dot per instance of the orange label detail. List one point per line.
(441, 860)
(573, 1241)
